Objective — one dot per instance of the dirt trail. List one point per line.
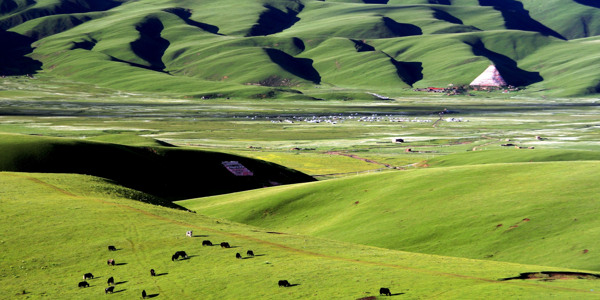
(299, 251)
(361, 158)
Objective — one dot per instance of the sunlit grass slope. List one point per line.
(511, 156)
(277, 48)
(56, 227)
(166, 172)
(540, 213)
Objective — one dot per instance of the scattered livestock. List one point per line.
(225, 245)
(385, 291)
(143, 294)
(206, 243)
(179, 254)
(152, 273)
(87, 276)
(109, 289)
(111, 281)
(250, 253)
(110, 262)
(83, 284)
(284, 283)
(238, 256)
(112, 248)
(189, 233)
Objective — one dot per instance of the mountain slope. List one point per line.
(227, 48)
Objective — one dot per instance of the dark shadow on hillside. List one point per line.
(401, 29)
(551, 275)
(62, 7)
(362, 46)
(516, 17)
(87, 44)
(112, 58)
(150, 46)
(441, 2)
(299, 44)
(409, 72)
(301, 67)
(186, 13)
(445, 16)
(7, 6)
(592, 3)
(274, 20)
(376, 1)
(507, 67)
(13, 59)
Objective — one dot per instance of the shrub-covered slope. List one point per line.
(166, 172)
(260, 48)
(540, 213)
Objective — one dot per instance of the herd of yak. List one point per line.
(183, 255)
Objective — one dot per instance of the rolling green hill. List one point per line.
(538, 213)
(71, 219)
(277, 48)
(166, 172)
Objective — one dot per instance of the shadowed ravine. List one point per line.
(185, 15)
(507, 67)
(517, 17)
(274, 20)
(150, 46)
(301, 67)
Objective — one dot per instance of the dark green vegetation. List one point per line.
(285, 48)
(165, 172)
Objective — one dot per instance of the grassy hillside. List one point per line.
(539, 213)
(511, 156)
(166, 172)
(279, 48)
(71, 219)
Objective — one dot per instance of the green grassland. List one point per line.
(277, 48)
(472, 211)
(71, 219)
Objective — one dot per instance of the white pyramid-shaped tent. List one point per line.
(489, 77)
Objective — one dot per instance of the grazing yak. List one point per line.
(88, 276)
(111, 281)
(238, 256)
(250, 253)
(284, 283)
(174, 257)
(112, 248)
(83, 284)
(182, 254)
(189, 233)
(143, 294)
(109, 289)
(152, 273)
(110, 262)
(225, 245)
(385, 291)
(206, 243)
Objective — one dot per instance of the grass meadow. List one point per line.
(71, 219)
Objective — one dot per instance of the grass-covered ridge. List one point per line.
(541, 213)
(71, 219)
(166, 172)
(270, 48)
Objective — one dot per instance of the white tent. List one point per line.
(489, 77)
